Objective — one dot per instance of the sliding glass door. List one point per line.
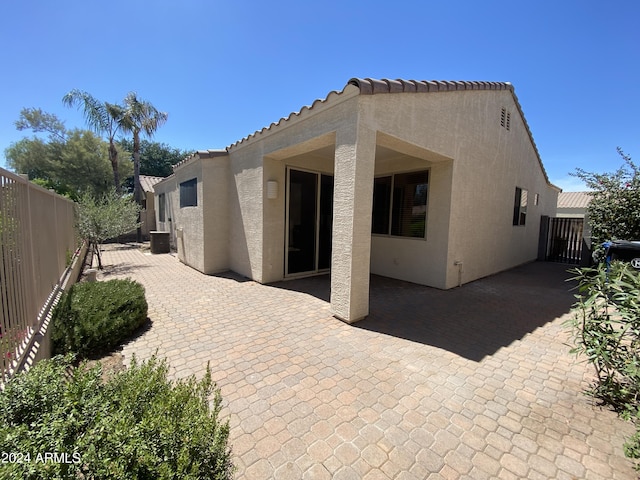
(309, 222)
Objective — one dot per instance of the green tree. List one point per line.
(140, 117)
(39, 121)
(156, 159)
(105, 217)
(30, 156)
(614, 209)
(74, 165)
(605, 327)
(102, 117)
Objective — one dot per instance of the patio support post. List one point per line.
(352, 206)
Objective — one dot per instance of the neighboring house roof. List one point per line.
(147, 182)
(573, 199)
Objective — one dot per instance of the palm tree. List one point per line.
(103, 118)
(140, 116)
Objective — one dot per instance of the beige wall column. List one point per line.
(352, 205)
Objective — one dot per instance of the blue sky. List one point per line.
(224, 69)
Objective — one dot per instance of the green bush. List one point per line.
(95, 317)
(136, 425)
(606, 330)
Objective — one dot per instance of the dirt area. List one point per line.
(112, 363)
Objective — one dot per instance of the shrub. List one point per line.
(137, 424)
(606, 330)
(94, 317)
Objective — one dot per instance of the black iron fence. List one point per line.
(562, 240)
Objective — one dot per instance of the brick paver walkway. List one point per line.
(474, 382)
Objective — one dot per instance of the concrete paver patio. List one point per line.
(474, 382)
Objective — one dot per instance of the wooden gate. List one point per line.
(562, 240)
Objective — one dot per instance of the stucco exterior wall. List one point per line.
(245, 211)
(217, 179)
(258, 226)
(488, 163)
(168, 187)
(491, 162)
(474, 164)
(148, 215)
(187, 223)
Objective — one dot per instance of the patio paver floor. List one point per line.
(474, 382)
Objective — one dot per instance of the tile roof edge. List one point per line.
(317, 102)
(211, 153)
(369, 86)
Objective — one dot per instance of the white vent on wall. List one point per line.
(505, 118)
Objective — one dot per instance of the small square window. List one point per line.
(189, 193)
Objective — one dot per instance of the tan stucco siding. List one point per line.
(168, 188)
(474, 166)
(491, 162)
(189, 221)
(199, 233)
(245, 212)
(488, 163)
(217, 178)
(268, 159)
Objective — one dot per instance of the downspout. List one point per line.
(458, 263)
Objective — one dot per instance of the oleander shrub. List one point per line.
(95, 317)
(62, 422)
(606, 330)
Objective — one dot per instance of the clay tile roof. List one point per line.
(370, 86)
(147, 182)
(573, 199)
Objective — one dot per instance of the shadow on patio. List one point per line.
(472, 321)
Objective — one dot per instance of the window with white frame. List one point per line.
(400, 204)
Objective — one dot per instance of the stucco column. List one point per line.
(352, 206)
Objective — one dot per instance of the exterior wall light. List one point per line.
(272, 189)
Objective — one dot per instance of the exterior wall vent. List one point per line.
(505, 118)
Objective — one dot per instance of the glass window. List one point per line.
(381, 205)
(400, 204)
(520, 207)
(189, 193)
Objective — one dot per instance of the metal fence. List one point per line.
(563, 240)
(37, 241)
